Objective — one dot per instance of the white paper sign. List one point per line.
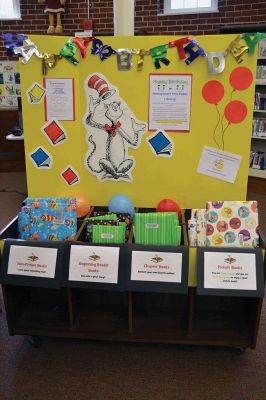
(32, 261)
(94, 264)
(236, 271)
(219, 164)
(59, 100)
(170, 102)
(158, 267)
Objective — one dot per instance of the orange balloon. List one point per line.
(83, 205)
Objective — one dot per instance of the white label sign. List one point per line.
(236, 271)
(219, 164)
(94, 264)
(32, 261)
(158, 267)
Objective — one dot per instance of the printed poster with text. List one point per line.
(170, 102)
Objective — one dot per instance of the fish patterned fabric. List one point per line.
(48, 219)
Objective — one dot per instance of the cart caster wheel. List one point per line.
(240, 350)
(34, 341)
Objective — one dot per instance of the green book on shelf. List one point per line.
(157, 228)
(109, 234)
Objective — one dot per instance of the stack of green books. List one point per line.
(105, 229)
(157, 228)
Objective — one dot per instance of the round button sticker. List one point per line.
(212, 217)
(217, 239)
(235, 223)
(250, 223)
(222, 226)
(217, 204)
(254, 206)
(230, 237)
(243, 212)
(227, 212)
(209, 229)
(244, 234)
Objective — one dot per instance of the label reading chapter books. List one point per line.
(158, 267)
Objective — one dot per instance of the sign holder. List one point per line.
(229, 272)
(32, 263)
(162, 286)
(119, 286)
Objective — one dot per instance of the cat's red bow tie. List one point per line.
(112, 129)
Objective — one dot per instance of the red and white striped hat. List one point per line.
(99, 84)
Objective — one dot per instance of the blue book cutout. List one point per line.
(41, 158)
(161, 144)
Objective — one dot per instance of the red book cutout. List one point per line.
(54, 132)
(70, 176)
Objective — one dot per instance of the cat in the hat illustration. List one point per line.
(111, 129)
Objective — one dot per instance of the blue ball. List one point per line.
(121, 204)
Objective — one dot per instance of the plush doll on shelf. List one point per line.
(54, 7)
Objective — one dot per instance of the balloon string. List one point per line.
(214, 132)
(223, 135)
(223, 130)
(231, 96)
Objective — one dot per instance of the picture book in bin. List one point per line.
(232, 224)
(48, 219)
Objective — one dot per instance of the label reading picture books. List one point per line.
(158, 267)
(170, 102)
(59, 99)
(235, 271)
(94, 264)
(32, 261)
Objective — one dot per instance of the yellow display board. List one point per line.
(153, 177)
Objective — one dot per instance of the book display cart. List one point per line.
(129, 311)
(131, 123)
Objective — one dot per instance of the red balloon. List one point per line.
(241, 78)
(167, 205)
(213, 92)
(235, 112)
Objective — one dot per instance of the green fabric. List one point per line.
(157, 228)
(109, 234)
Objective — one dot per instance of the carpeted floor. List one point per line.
(77, 370)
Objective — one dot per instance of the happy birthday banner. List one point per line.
(85, 149)
(188, 49)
